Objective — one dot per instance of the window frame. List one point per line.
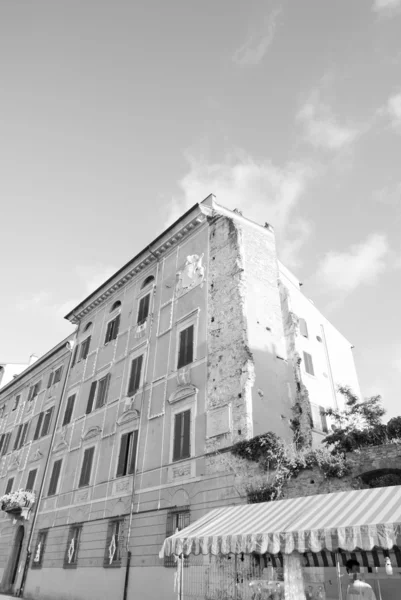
(174, 514)
(141, 298)
(34, 390)
(189, 403)
(322, 425)
(113, 335)
(42, 539)
(303, 327)
(16, 402)
(84, 348)
(57, 373)
(34, 479)
(64, 423)
(105, 391)
(9, 486)
(88, 484)
(130, 462)
(6, 443)
(57, 486)
(74, 528)
(111, 524)
(134, 357)
(186, 321)
(306, 363)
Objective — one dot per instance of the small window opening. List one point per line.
(147, 281)
(88, 325)
(115, 306)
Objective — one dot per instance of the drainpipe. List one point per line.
(333, 389)
(20, 591)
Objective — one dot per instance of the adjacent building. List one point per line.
(200, 341)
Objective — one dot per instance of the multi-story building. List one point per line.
(187, 349)
(28, 412)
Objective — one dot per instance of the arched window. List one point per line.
(115, 306)
(88, 326)
(147, 281)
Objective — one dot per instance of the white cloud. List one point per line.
(386, 5)
(321, 128)
(33, 301)
(256, 46)
(360, 264)
(393, 111)
(262, 191)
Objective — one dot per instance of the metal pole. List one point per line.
(182, 578)
(236, 577)
(340, 592)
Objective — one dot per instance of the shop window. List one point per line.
(30, 484)
(135, 375)
(69, 410)
(71, 551)
(182, 435)
(186, 347)
(9, 486)
(86, 469)
(112, 555)
(176, 520)
(127, 455)
(16, 403)
(308, 363)
(112, 329)
(54, 479)
(303, 327)
(39, 551)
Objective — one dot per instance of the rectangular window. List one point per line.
(74, 356)
(102, 390)
(46, 421)
(308, 363)
(91, 398)
(38, 426)
(50, 380)
(127, 456)
(16, 441)
(39, 551)
(86, 467)
(186, 347)
(34, 391)
(85, 348)
(2, 437)
(23, 435)
(30, 484)
(112, 555)
(303, 327)
(54, 478)
(9, 486)
(143, 310)
(6, 443)
(182, 444)
(112, 329)
(71, 551)
(69, 409)
(57, 374)
(319, 418)
(135, 375)
(176, 520)
(16, 403)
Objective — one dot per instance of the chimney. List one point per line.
(33, 358)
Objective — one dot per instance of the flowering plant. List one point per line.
(19, 499)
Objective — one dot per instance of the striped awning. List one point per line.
(362, 519)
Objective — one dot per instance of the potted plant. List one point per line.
(17, 503)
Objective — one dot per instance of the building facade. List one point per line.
(187, 349)
(8, 371)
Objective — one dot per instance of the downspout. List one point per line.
(333, 389)
(20, 591)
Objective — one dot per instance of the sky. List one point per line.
(116, 116)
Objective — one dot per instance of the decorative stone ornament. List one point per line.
(91, 433)
(128, 415)
(183, 392)
(112, 548)
(192, 274)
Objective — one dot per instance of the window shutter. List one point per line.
(102, 391)
(303, 327)
(181, 352)
(86, 467)
(122, 459)
(31, 480)
(85, 348)
(38, 426)
(185, 355)
(143, 311)
(308, 363)
(50, 380)
(16, 403)
(23, 435)
(46, 421)
(177, 436)
(30, 394)
(37, 388)
(190, 344)
(91, 398)
(323, 420)
(186, 441)
(68, 410)
(2, 436)
(74, 356)
(16, 441)
(57, 374)
(135, 376)
(6, 443)
(107, 337)
(116, 327)
(9, 485)
(54, 478)
(132, 452)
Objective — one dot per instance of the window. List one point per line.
(102, 390)
(4, 443)
(50, 380)
(21, 436)
(112, 555)
(71, 551)
(43, 423)
(303, 327)
(57, 375)
(16, 403)
(74, 356)
(39, 549)
(135, 375)
(116, 305)
(69, 409)
(54, 478)
(112, 329)
(176, 520)
(182, 444)
(143, 310)
(88, 326)
(34, 391)
(186, 347)
(308, 363)
(319, 418)
(147, 281)
(127, 456)
(9, 486)
(85, 348)
(30, 484)
(86, 467)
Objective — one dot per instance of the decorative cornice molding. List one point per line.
(91, 433)
(183, 392)
(129, 415)
(151, 257)
(62, 445)
(37, 455)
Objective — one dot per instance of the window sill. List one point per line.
(68, 566)
(114, 565)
